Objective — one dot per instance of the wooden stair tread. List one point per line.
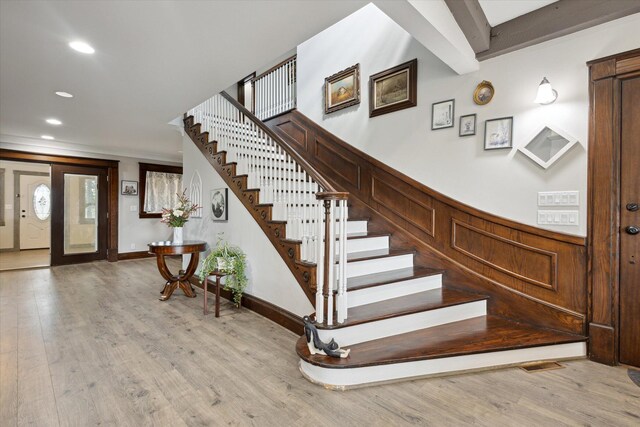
(407, 304)
(477, 335)
(391, 276)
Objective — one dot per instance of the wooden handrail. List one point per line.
(275, 67)
(319, 179)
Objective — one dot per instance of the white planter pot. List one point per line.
(177, 235)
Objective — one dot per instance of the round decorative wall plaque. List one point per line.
(483, 93)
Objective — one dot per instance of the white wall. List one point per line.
(269, 277)
(131, 229)
(6, 231)
(502, 182)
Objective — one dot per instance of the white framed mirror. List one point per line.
(547, 145)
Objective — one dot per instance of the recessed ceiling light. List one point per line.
(55, 122)
(64, 94)
(46, 137)
(81, 47)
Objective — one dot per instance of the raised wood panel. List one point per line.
(297, 134)
(345, 168)
(532, 265)
(536, 276)
(398, 203)
(628, 65)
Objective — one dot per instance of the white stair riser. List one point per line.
(346, 377)
(366, 244)
(378, 265)
(350, 335)
(393, 290)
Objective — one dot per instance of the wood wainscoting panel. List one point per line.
(532, 275)
(527, 263)
(344, 167)
(295, 132)
(397, 202)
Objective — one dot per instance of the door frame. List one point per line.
(603, 230)
(16, 206)
(111, 167)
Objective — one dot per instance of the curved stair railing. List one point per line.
(309, 204)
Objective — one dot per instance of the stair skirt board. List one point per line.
(368, 331)
(393, 290)
(377, 265)
(344, 378)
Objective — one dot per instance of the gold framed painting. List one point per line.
(394, 89)
(342, 89)
(484, 93)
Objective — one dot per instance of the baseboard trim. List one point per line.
(264, 308)
(134, 255)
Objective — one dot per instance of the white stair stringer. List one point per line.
(349, 335)
(349, 377)
(387, 291)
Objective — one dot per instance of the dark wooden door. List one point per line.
(79, 214)
(630, 222)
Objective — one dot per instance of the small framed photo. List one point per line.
(219, 204)
(394, 89)
(129, 188)
(342, 89)
(498, 133)
(484, 93)
(442, 114)
(467, 125)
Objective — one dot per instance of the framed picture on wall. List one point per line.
(498, 133)
(467, 125)
(394, 89)
(129, 188)
(442, 114)
(342, 89)
(219, 204)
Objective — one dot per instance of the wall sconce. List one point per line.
(546, 94)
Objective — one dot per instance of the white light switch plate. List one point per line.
(558, 198)
(558, 217)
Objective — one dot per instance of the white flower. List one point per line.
(178, 212)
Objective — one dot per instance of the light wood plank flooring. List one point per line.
(91, 344)
(24, 259)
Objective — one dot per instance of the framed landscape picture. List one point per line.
(342, 89)
(129, 188)
(467, 125)
(498, 133)
(394, 89)
(442, 114)
(219, 204)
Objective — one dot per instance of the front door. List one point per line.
(630, 223)
(79, 226)
(35, 211)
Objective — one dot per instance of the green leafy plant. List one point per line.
(234, 263)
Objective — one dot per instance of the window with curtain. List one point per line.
(159, 188)
(161, 191)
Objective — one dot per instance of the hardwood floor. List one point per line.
(24, 259)
(91, 344)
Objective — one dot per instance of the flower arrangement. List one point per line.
(231, 260)
(180, 214)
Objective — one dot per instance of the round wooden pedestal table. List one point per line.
(162, 249)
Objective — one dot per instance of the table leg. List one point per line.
(217, 296)
(206, 308)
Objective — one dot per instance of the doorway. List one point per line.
(25, 197)
(614, 215)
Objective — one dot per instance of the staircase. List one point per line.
(399, 319)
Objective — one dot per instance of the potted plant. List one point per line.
(230, 260)
(177, 217)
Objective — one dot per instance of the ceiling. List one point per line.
(499, 11)
(153, 61)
